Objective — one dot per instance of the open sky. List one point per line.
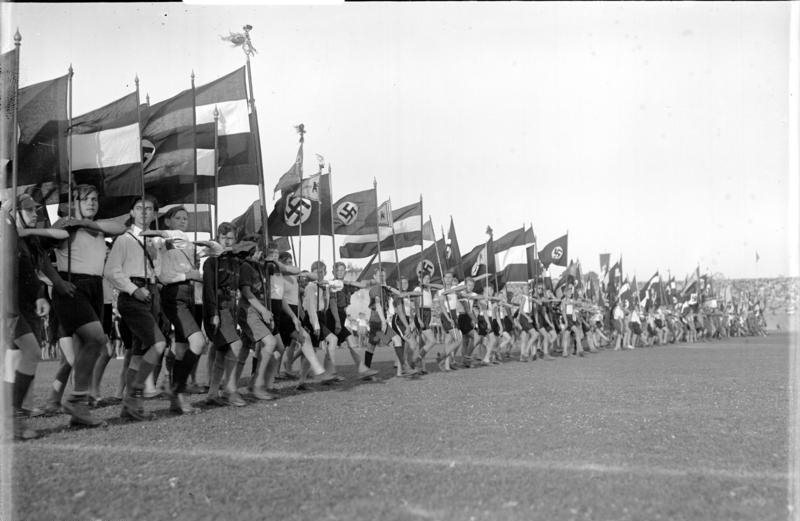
(655, 131)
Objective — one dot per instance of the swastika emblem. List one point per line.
(297, 210)
(424, 267)
(557, 253)
(347, 212)
(148, 151)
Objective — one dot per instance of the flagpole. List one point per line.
(301, 129)
(141, 166)
(394, 242)
(333, 235)
(378, 231)
(436, 247)
(248, 49)
(491, 236)
(194, 154)
(421, 227)
(15, 145)
(216, 177)
(319, 219)
(69, 171)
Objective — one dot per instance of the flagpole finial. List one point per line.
(216, 113)
(17, 38)
(192, 75)
(136, 80)
(147, 98)
(70, 70)
(301, 129)
(374, 183)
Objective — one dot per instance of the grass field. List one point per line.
(674, 432)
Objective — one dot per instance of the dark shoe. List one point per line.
(218, 401)
(78, 408)
(21, 430)
(179, 403)
(369, 373)
(302, 387)
(195, 389)
(325, 378)
(33, 413)
(262, 395)
(53, 405)
(235, 399)
(133, 410)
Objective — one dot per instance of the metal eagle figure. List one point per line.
(241, 40)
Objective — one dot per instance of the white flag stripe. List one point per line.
(205, 161)
(106, 148)
(233, 116)
(408, 225)
(513, 255)
(201, 207)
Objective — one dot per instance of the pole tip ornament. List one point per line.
(241, 40)
(136, 80)
(301, 129)
(17, 37)
(192, 74)
(216, 112)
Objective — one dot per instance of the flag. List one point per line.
(534, 265)
(249, 223)
(452, 252)
(385, 214)
(107, 149)
(555, 253)
(291, 210)
(510, 256)
(427, 231)
(649, 295)
(614, 284)
(42, 145)
(480, 260)
(202, 217)
(411, 267)
(400, 228)
(310, 188)
(690, 286)
(569, 276)
(605, 260)
(292, 177)
(354, 214)
(8, 89)
(625, 292)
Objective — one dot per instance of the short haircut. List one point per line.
(147, 197)
(225, 228)
(81, 192)
(285, 256)
(318, 265)
(338, 264)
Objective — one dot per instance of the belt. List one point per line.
(142, 282)
(180, 283)
(78, 276)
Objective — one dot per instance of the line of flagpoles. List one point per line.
(255, 140)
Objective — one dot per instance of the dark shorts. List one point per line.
(108, 322)
(659, 323)
(446, 323)
(397, 326)
(23, 324)
(142, 320)
(495, 327)
(286, 325)
(465, 324)
(525, 322)
(585, 326)
(225, 334)
(252, 324)
(323, 328)
(177, 304)
(425, 315)
(483, 326)
(636, 328)
(343, 333)
(275, 307)
(376, 336)
(508, 325)
(85, 307)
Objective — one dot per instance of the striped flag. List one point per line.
(510, 256)
(42, 147)
(106, 148)
(401, 227)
